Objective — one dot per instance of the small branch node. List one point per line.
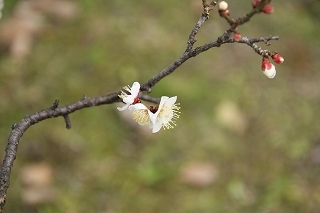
(207, 7)
(266, 41)
(213, 3)
(13, 126)
(146, 87)
(55, 104)
(67, 121)
(84, 97)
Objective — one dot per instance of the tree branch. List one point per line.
(19, 128)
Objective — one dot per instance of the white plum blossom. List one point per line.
(163, 115)
(130, 98)
(166, 114)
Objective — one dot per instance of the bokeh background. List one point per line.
(243, 143)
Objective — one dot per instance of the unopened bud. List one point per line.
(268, 9)
(277, 58)
(268, 68)
(223, 5)
(255, 3)
(237, 36)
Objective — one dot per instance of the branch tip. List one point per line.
(55, 104)
(13, 126)
(213, 3)
(84, 97)
(207, 7)
(146, 87)
(67, 121)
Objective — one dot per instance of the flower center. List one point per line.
(141, 116)
(153, 109)
(168, 115)
(136, 100)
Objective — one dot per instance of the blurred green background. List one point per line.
(243, 143)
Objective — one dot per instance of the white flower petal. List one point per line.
(129, 99)
(138, 106)
(135, 89)
(171, 101)
(156, 127)
(162, 102)
(123, 108)
(270, 73)
(153, 116)
(129, 95)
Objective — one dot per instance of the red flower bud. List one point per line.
(255, 3)
(227, 12)
(268, 68)
(277, 58)
(268, 9)
(237, 36)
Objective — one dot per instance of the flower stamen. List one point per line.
(129, 95)
(168, 116)
(162, 116)
(125, 92)
(141, 116)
